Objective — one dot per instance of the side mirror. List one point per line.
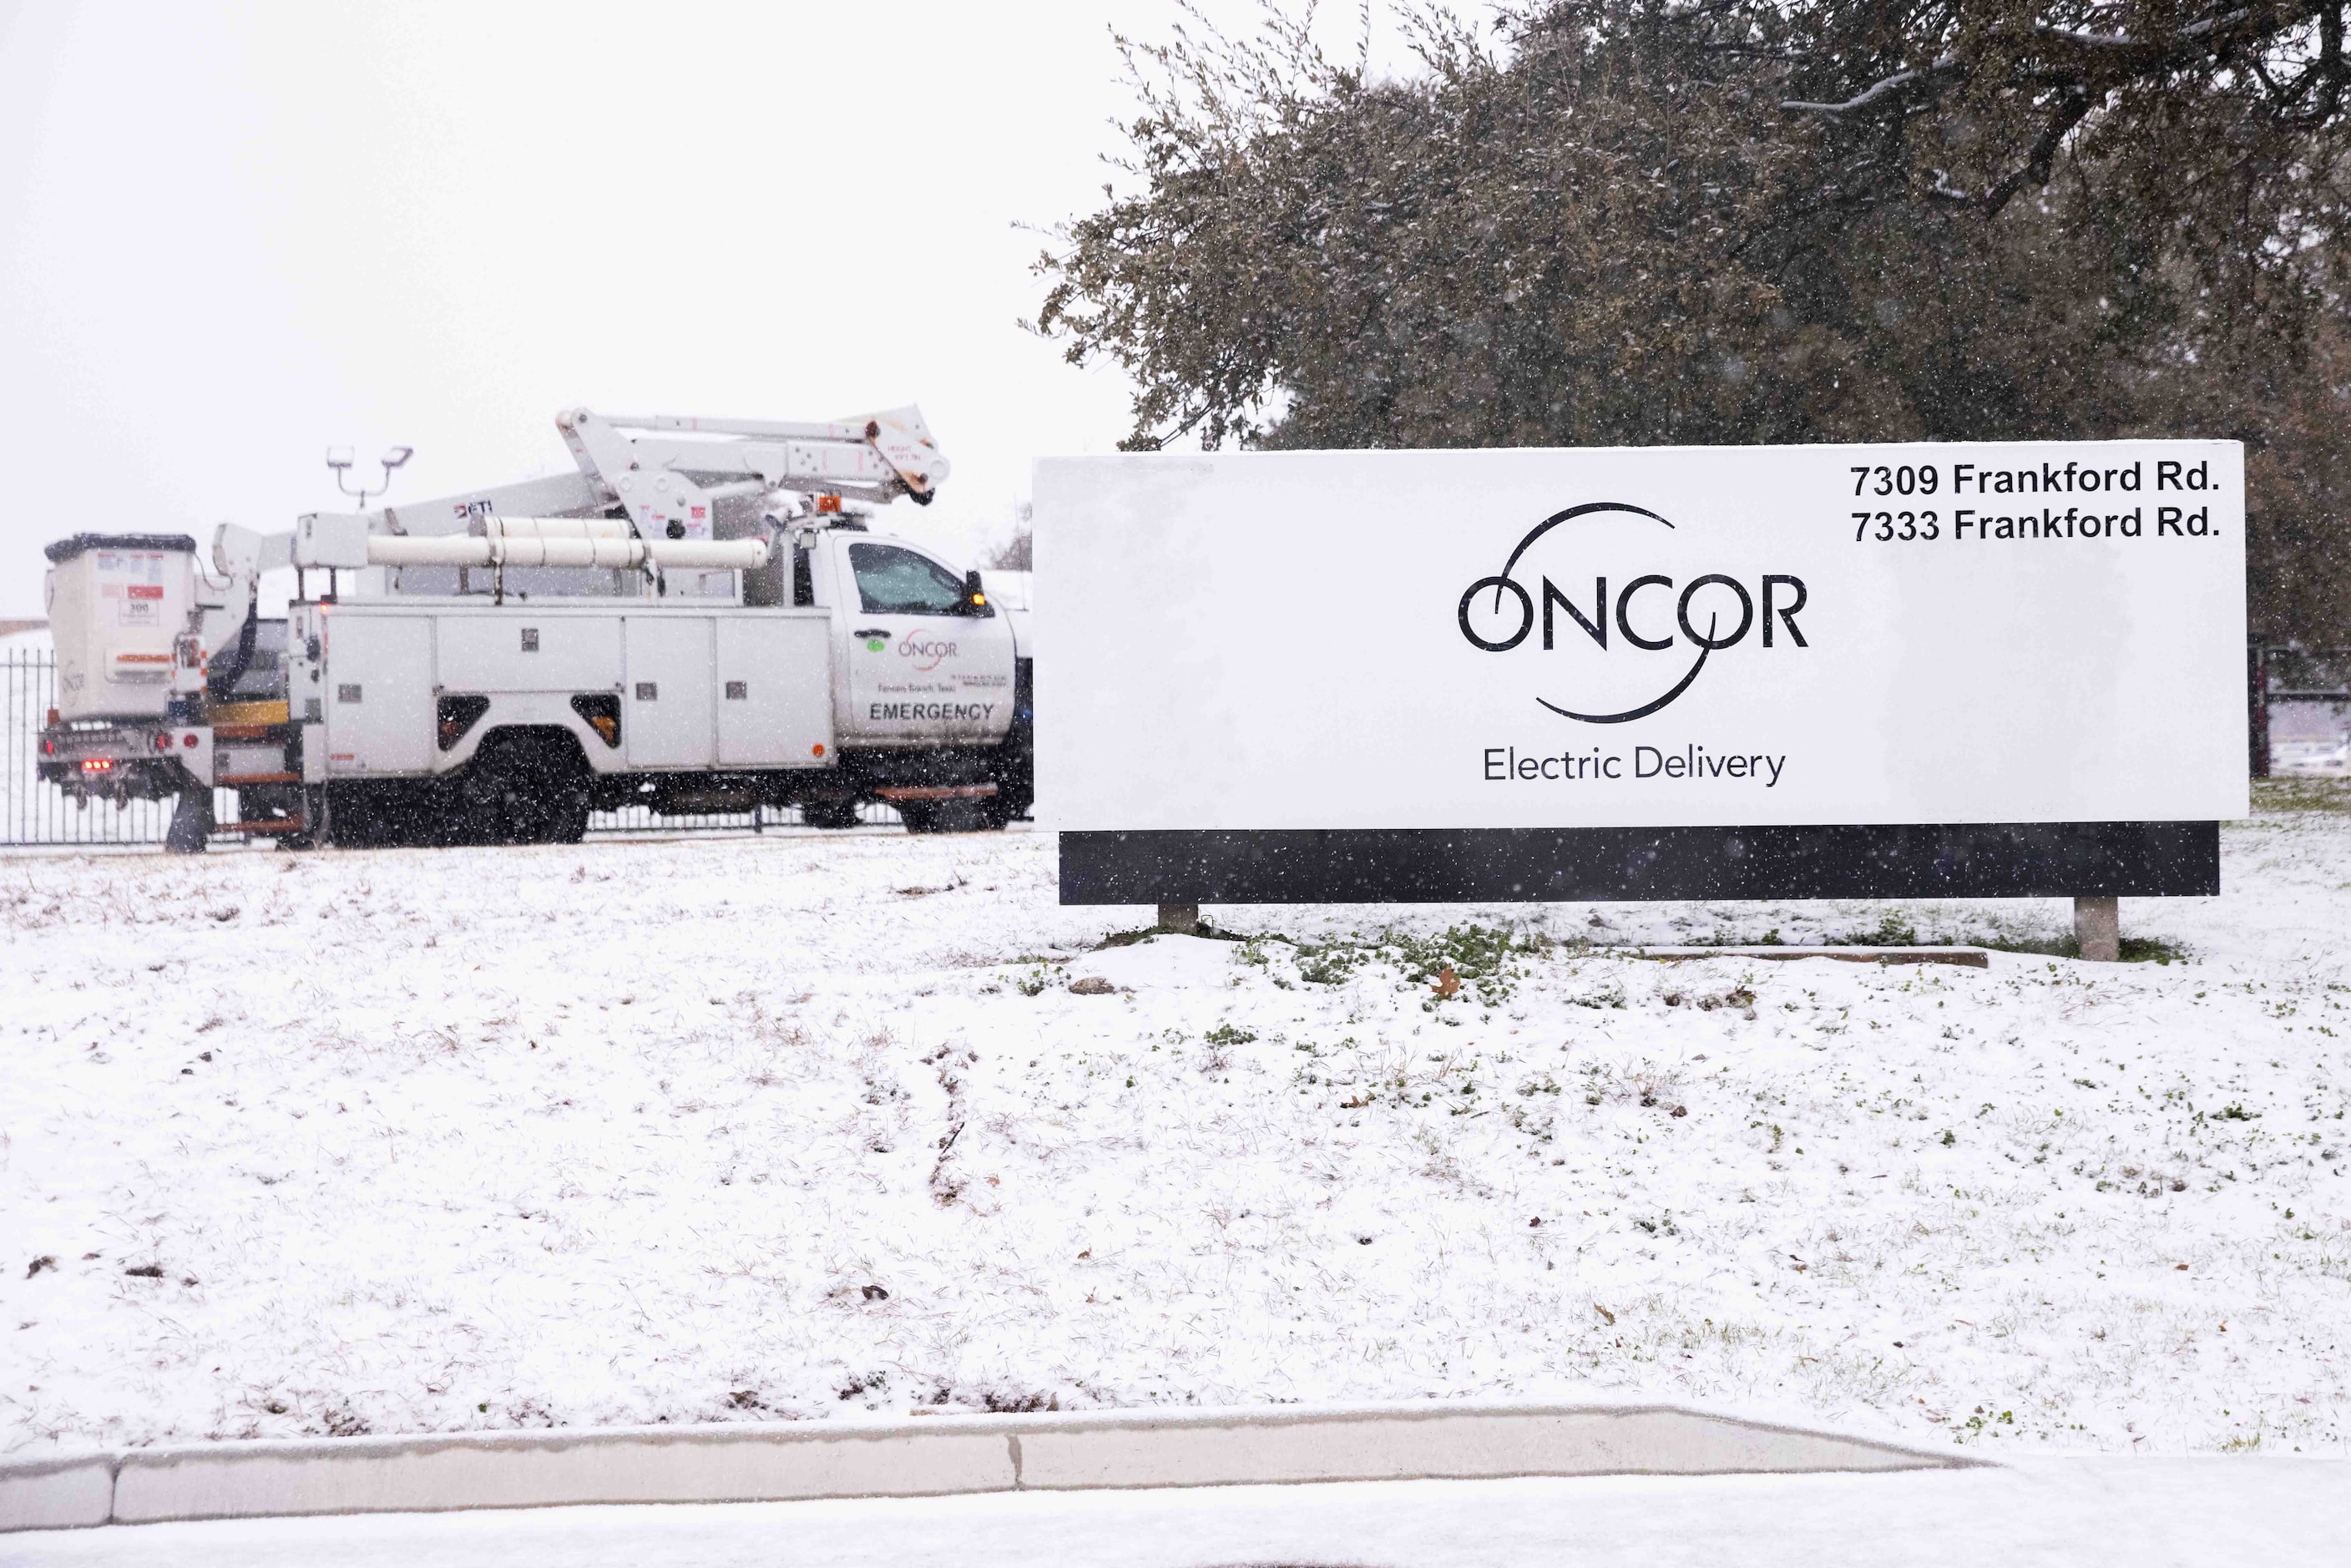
(975, 597)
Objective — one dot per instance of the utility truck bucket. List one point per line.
(905, 444)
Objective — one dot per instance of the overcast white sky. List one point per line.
(236, 234)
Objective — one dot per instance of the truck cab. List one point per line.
(922, 658)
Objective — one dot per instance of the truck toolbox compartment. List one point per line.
(515, 651)
(775, 691)
(666, 703)
(693, 688)
(380, 698)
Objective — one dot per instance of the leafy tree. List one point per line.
(1623, 221)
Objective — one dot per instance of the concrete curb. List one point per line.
(56, 1494)
(953, 1454)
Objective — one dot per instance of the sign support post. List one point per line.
(2098, 929)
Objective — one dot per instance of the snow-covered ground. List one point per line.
(2061, 1513)
(813, 1126)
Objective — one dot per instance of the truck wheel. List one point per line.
(525, 790)
(828, 813)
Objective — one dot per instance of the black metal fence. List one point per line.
(33, 812)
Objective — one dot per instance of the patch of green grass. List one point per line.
(2281, 796)
(1487, 960)
(1891, 931)
(1484, 958)
(1145, 933)
(1330, 964)
(2135, 949)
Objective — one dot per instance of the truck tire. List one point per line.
(524, 787)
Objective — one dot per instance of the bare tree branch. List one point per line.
(1878, 92)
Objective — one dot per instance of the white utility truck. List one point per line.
(699, 619)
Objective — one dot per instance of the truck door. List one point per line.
(920, 671)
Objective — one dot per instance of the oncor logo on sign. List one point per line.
(1509, 617)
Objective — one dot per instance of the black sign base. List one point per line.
(1497, 865)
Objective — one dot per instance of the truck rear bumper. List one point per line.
(126, 761)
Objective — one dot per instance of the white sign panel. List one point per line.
(1708, 636)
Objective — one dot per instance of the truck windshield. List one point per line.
(894, 581)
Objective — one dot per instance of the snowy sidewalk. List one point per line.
(2065, 1513)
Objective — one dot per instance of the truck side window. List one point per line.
(803, 584)
(894, 581)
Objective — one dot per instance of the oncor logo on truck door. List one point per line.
(1649, 613)
(927, 654)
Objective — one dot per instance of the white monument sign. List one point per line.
(2026, 632)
